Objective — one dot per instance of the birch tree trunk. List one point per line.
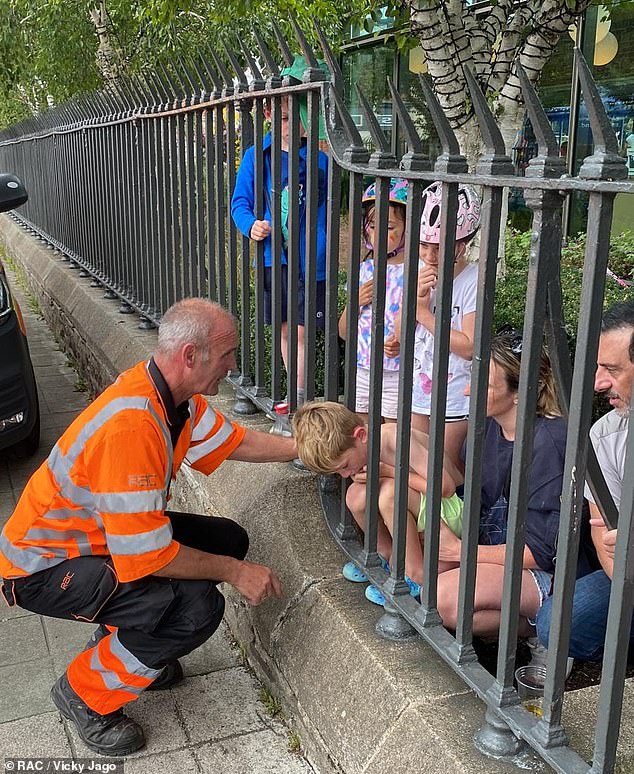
(453, 37)
(107, 57)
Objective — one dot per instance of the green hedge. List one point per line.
(510, 294)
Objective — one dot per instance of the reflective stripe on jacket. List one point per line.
(105, 485)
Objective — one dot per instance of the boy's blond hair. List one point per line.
(323, 432)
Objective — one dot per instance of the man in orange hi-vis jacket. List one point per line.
(91, 538)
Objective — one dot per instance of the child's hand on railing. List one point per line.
(365, 293)
(391, 346)
(427, 279)
(260, 230)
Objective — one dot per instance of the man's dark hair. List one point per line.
(617, 317)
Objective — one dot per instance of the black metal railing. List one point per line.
(133, 186)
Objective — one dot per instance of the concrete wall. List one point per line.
(361, 704)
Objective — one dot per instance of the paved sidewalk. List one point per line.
(212, 723)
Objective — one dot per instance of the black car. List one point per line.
(19, 408)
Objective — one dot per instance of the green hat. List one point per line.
(296, 71)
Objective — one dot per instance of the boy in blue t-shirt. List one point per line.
(243, 213)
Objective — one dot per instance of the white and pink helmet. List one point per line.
(468, 220)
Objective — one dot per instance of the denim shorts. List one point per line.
(320, 295)
(544, 582)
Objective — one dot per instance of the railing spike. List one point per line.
(237, 67)
(379, 138)
(446, 134)
(283, 45)
(194, 88)
(181, 86)
(306, 49)
(211, 73)
(221, 68)
(546, 141)
(349, 126)
(548, 162)
(493, 140)
(414, 142)
(495, 161)
(201, 74)
(170, 80)
(605, 162)
(331, 59)
(266, 54)
(250, 59)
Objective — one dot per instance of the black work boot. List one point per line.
(114, 734)
(170, 675)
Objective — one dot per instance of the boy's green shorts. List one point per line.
(450, 512)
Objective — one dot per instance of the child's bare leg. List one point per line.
(455, 433)
(420, 422)
(413, 551)
(356, 500)
(300, 352)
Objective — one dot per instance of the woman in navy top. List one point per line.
(544, 497)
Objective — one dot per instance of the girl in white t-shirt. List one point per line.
(462, 316)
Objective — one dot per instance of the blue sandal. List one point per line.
(373, 594)
(351, 572)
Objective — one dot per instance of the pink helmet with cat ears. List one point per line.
(468, 220)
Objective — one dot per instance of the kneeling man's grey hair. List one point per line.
(190, 321)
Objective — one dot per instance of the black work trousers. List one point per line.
(158, 619)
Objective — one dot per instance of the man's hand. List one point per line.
(450, 545)
(256, 582)
(608, 537)
(365, 293)
(260, 230)
(391, 346)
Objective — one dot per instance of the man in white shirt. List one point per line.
(614, 377)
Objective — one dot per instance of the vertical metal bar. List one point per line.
(220, 207)
(292, 247)
(210, 204)
(331, 375)
(177, 277)
(246, 318)
(442, 330)
(310, 269)
(379, 258)
(231, 227)
(258, 197)
(276, 245)
(489, 240)
(394, 583)
(550, 730)
(619, 624)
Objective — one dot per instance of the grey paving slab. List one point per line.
(7, 504)
(22, 639)
(25, 689)
(42, 735)
(7, 613)
(257, 753)
(219, 705)
(178, 762)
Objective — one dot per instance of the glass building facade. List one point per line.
(605, 35)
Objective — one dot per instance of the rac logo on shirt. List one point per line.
(66, 580)
(143, 481)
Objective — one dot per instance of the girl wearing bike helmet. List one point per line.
(393, 299)
(462, 316)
